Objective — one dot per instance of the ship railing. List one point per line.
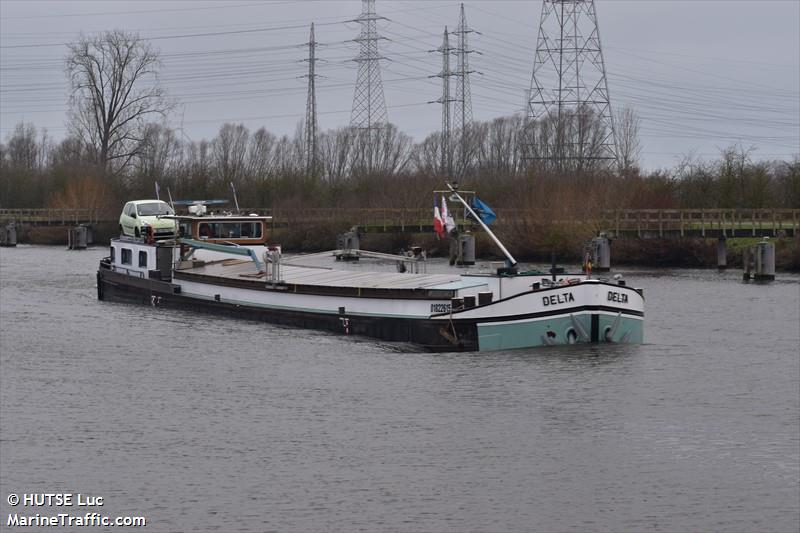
(127, 271)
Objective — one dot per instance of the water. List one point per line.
(213, 424)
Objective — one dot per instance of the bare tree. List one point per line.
(23, 149)
(114, 91)
(230, 151)
(335, 149)
(629, 148)
(160, 153)
(574, 142)
(380, 152)
(426, 156)
(260, 155)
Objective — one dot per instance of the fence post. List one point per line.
(703, 222)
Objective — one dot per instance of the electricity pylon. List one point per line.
(569, 88)
(463, 96)
(446, 100)
(311, 106)
(369, 105)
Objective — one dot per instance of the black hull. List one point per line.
(432, 335)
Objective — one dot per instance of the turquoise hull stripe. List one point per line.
(549, 331)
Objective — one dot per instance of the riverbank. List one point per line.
(535, 247)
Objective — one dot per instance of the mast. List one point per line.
(509, 257)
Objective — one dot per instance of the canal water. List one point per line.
(201, 423)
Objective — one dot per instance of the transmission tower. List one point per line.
(569, 84)
(311, 106)
(369, 105)
(446, 100)
(463, 97)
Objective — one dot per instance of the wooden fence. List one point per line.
(701, 222)
(620, 223)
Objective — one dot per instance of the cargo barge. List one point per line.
(498, 310)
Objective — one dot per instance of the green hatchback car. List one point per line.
(138, 215)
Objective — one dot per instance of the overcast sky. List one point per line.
(702, 75)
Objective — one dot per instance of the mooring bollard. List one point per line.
(76, 238)
(601, 253)
(466, 249)
(462, 249)
(348, 244)
(8, 235)
(722, 253)
(759, 261)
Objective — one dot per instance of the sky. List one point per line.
(702, 75)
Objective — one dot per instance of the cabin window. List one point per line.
(207, 230)
(251, 229)
(127, 256)
(113, 254)
(142, 259)
(230, 230)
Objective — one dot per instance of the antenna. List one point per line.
(569, 90)
(446, 101)
(463, 98)
(369, 105)
(235, 200)
(311, 106)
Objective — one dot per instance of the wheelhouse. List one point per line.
(139, 259)
(242, 230)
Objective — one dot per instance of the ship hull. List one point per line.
(555, 316)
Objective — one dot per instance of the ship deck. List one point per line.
(242, 270)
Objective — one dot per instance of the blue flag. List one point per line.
(483, 211)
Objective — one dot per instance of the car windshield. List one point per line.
(153, 209)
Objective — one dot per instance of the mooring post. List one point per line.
(722, 253)
(8, 234)
(466, 249)
(601, 253)
(746, 263)
(765, 261)
(76, 238)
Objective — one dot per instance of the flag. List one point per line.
(438, 223)
(483, 211)
(449, 223)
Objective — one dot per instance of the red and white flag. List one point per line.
(449, 223)
(438, 221)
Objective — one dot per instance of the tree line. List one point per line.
(119, 142)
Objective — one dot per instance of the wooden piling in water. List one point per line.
(722, 253)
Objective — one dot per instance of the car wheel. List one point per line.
(136, 232)
(121, 231)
